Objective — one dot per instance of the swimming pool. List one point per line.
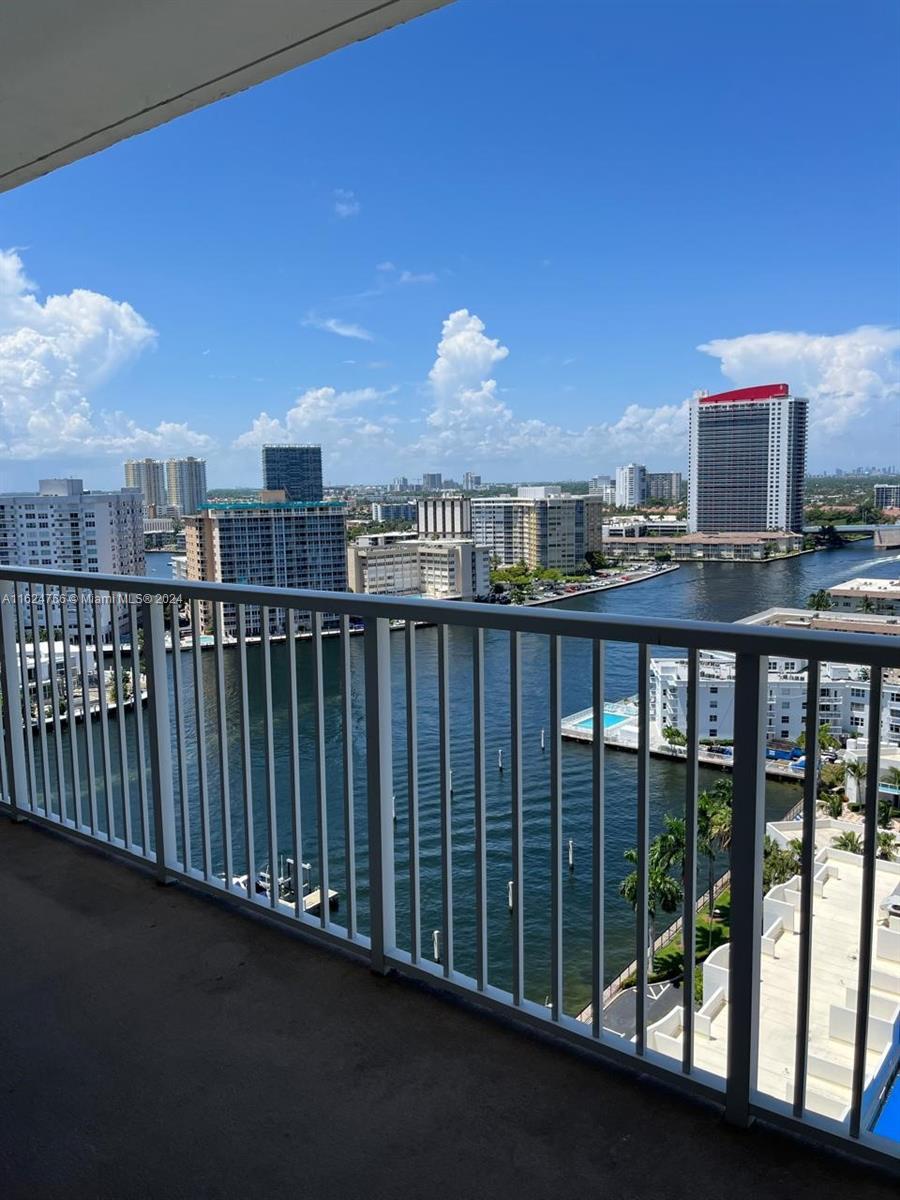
(888, 1123)
(610, 720)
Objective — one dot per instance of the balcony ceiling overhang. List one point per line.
(78, 75)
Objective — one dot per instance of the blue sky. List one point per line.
(492, 239)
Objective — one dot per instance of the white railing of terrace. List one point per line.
(135, 795)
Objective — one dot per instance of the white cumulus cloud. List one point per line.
(53, 354)
(846, 376)
(341, 421)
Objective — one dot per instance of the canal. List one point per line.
(720, 591)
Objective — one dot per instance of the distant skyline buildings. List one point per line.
(170, 487)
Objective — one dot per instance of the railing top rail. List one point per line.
(868, 649)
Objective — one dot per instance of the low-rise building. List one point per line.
(843, 698)
(717, 547)
(867, 595)
(635, 527)
(439, 568)
(394, 510)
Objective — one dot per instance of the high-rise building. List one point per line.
(290, 544)
(603, 486)
(149, 475)
(449, 516)
(549, 530)
(471, 482)
(432, 481)
(747, 460)
(295, 470)
(631, 485)
(186, 484)
(63, 527)
(887, 495)
(664, 485)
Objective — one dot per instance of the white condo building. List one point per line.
(63, 527)
(149, 476)
(843, 698)
(406, 565)
(444, 516)
(186, 484)
(631, 485)
(747, 460)
(540, 527)
(604, 487)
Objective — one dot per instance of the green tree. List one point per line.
(820, 600)
(780, 863)
(866, 605)
(833, 804)
(714, 829)
(887, 845)
(664, 894)
(673, 736)
(849, 841)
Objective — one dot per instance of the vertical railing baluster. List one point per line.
(412, 789)
(160, 746)
(867, 903)
(294, 717)
(321, 773)
(598, 755)
(115, 605)
(515, 769)
(181, 740)
(556, 896)
(269, 730)
(379, 788)
(26, 699)
(77, 791)
(748, 823)
(246, 757)
(446, 802)
(199, 728)
(102, 701)
(642, 907)
(347, 749)
(807, 868)
(481, 941)
(689, 919)
(39, 696)
(224, 769)
(13, 688)
(135, 630)
(49, 609)
(86, 721)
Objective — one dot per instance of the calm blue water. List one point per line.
(702, 591)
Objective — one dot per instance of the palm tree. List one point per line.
(833, 804)
(887, 845)
(866, 605)
(849, 841)
(664, 894)
(714, 829)
(820, 600)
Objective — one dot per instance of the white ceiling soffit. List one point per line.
(78, 75)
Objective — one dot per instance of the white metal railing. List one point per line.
(207, 793)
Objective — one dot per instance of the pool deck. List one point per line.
(624, 736)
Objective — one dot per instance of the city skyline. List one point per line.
(517, 314)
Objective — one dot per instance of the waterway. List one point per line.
(709, 591)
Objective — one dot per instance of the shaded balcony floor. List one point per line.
(156, 1044)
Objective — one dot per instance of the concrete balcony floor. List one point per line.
(156, 1044)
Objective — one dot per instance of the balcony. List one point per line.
(390, 782)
